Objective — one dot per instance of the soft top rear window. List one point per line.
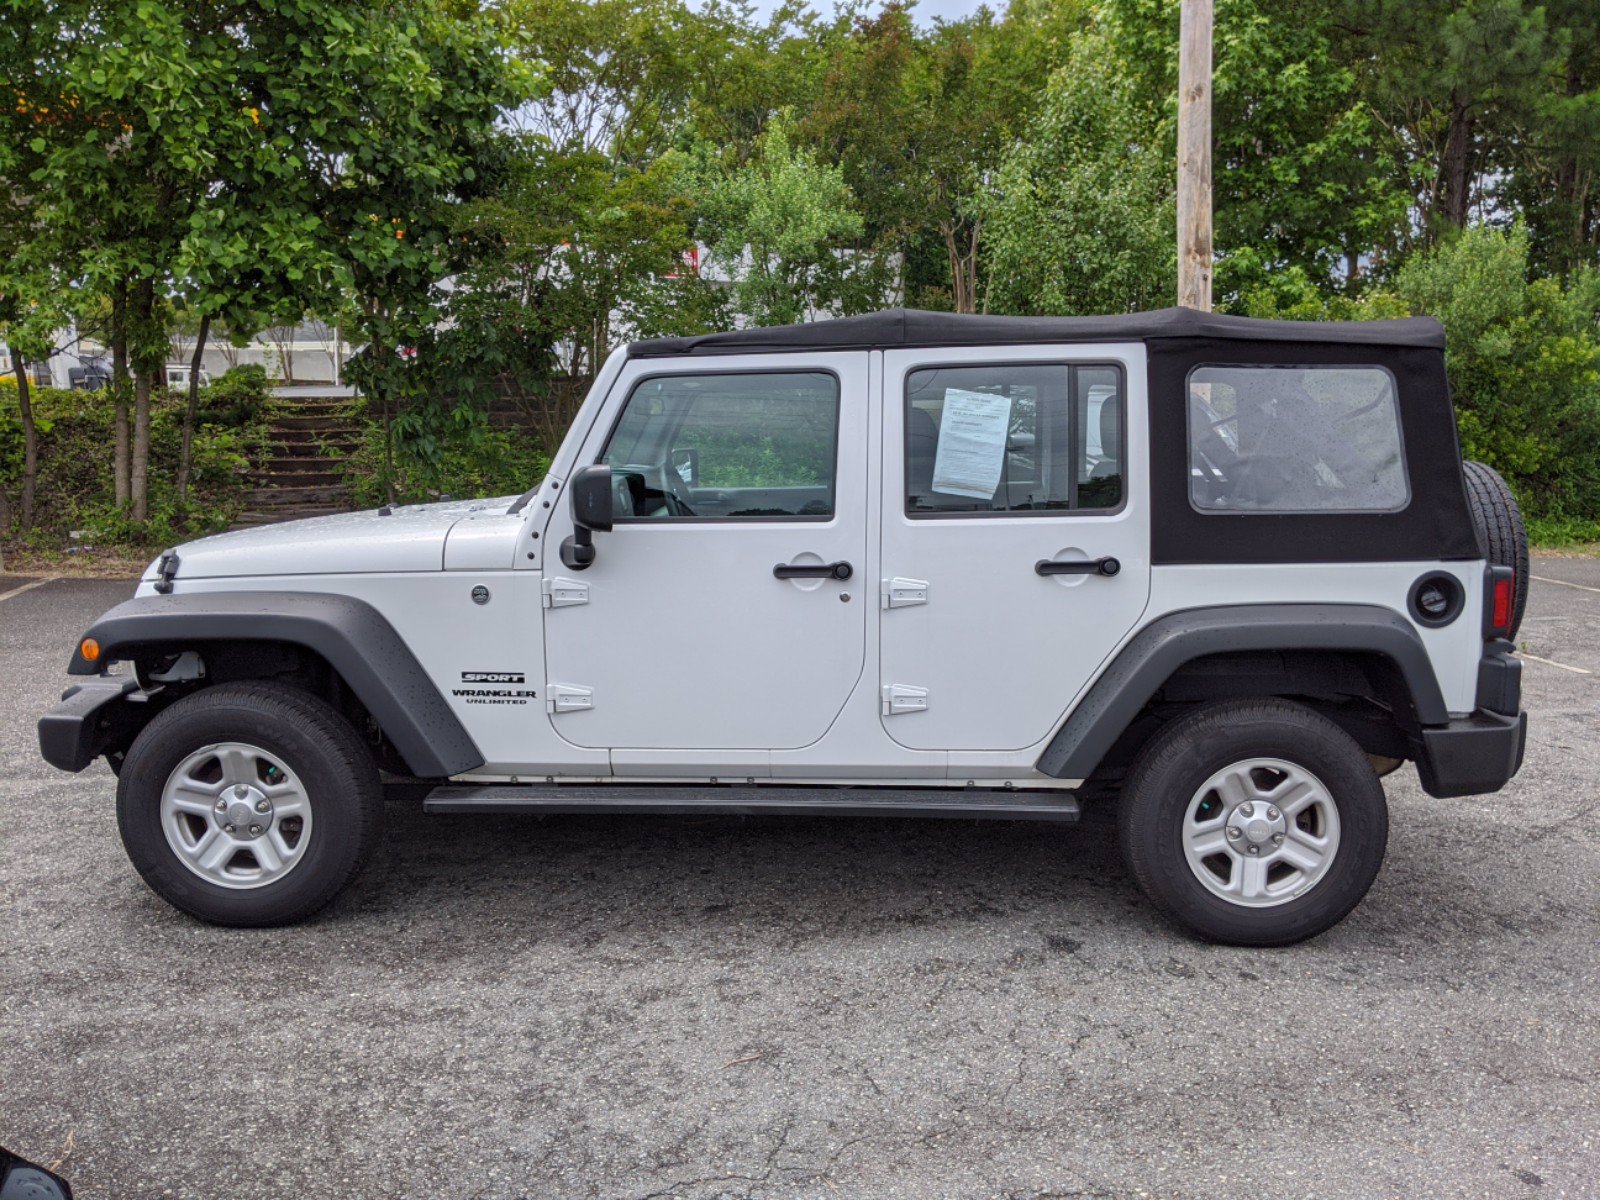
(1295, 439)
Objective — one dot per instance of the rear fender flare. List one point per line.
(1166, 644)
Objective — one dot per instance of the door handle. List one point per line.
(838, 570)
(1093, 566)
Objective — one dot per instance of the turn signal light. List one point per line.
(90, 649)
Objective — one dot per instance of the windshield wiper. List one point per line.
(521, 501)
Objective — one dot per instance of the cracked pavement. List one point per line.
(626, 1007)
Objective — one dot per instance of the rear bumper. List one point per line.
(1478, 753)
(1472, 755)
(91, 718)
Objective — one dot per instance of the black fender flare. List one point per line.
(1167, 643)
(354, 637)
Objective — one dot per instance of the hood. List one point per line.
(409, 537)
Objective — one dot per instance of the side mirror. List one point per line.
(589, 493)
(21, 1180)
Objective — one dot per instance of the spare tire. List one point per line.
(1500, 528)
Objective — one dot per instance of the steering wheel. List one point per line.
(675, 491)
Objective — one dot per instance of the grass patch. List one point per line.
(1564, 535)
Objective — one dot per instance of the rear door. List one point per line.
(683, 636)
(1002, 467)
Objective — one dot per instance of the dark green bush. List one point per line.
(75, 489)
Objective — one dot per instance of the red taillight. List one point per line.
(1500, 611)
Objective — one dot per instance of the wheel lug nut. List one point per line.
(1277, 839)
(1252, 848)
(240, 791)
(1247, 809)
(230, 827)
(222, 806)
(1233, 833)
(255, 831)
(262, 806)
(1272, 814)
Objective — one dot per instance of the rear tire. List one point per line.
(249, 804)
(1265, 773)
(1498, 518)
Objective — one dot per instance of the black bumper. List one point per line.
(1478, 753)
(91, 718)
(1472, 755)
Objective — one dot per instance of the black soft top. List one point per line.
(900, 327)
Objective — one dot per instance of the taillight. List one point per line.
(1501, 602)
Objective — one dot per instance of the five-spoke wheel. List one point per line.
(1261, 831)
(1257, 822)
(249, 803)
(235, 816)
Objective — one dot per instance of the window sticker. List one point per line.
(972, 443)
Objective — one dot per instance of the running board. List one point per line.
(748, 801)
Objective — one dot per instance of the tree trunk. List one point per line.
(119, 392)
(185, 453)
(143, 380)
(963, 261)
(1456, 169)
(30, 445)
(139, 471)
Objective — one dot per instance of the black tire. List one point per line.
(1499, 520)
(313, 741)
(1174, 765)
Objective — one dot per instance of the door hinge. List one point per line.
(901, 592)
(563, 593)
(903, 698)
(567, 697)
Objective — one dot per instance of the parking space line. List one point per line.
(1582, 587)
(1550, 662)
(27, 587)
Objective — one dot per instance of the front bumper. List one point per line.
(92, 718)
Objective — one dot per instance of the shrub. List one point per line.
(1524, 360)
(470, 461)
(76, 491)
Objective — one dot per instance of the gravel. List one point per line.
(640, 1007)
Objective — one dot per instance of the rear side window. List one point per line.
(1014, 438)
(1267, 439)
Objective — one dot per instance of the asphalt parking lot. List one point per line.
(641, 1007)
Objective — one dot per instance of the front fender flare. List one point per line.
(354, 637)
(1166, 644)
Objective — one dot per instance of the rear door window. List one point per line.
(1279, 439)
(1014, 438)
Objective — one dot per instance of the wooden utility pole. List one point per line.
(1194, 154)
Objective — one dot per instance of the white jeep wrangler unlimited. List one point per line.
(1229, 571)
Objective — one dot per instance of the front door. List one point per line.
(725, 609)
(1016, 537)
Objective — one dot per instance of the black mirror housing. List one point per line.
(589, 493)
(22, 1180)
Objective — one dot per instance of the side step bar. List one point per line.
(748, 801)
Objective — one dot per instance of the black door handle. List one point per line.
(838, 570)
(1093, 566)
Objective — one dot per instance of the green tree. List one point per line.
(1451, 80)
(1080, 217)
(1524, 362)
(781, 228)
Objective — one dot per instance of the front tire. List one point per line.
(249, 804)
(1254, 822)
